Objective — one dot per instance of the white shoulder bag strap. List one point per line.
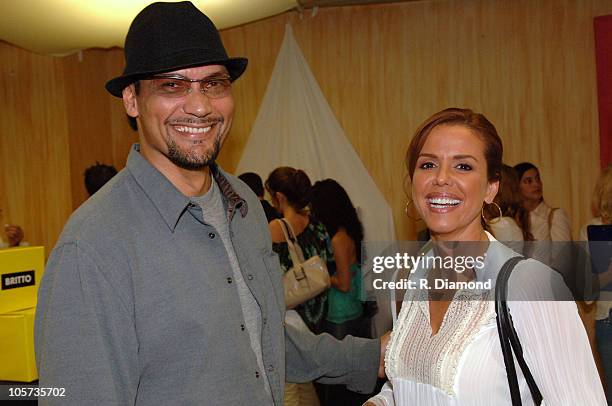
(296, 258)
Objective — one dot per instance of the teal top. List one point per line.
(345, 306)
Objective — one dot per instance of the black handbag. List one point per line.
(509, 339)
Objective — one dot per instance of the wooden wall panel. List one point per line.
(527, 65)
(98, 130)
(89, 115)
(56, 119)
(34, 155)
(122, 135)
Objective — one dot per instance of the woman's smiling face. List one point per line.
(450, 183)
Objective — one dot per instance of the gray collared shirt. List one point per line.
(214, 214)
(138, 304)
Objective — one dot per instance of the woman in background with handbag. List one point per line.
(331, 204)
(289, 189)
(453, 346)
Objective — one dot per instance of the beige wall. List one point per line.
(56, 119)
(528, 65)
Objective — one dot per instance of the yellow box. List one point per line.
(21, 270)
(17, 359)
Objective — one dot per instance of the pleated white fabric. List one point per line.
(295, 126)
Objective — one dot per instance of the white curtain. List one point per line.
(296, 127)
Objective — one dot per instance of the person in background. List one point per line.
(513, 224)
(602, 210)
(290, 191)
(333, 207)
(14, 235)
(97, 175)
(550, 227)
(601, 204)
(445, 348)
(253, 180)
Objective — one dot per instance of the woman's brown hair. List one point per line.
(509, 200)
(475, 122)
(293, 183)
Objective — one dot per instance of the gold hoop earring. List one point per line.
(496, 219)
(409, 203)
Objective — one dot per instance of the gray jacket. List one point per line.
(138, 305)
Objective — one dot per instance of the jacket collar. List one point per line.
(167, 199)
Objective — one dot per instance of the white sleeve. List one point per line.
(555, 343)
(561, 246)
(506, 229)
(509, 233)
(561, 229)
(385, 397)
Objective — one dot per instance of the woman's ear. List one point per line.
(492, 188)
(281, 199)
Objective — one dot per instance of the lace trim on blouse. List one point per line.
(415, 354)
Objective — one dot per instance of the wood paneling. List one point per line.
(528, 65)
(56, 119)
(98, 130)
(34, 156)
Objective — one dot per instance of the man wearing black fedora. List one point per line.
(163, 287)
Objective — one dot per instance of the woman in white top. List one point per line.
(550, 226)
(512, 228)
(601, 202)
(447, 352)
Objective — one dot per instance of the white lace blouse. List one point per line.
(463, 364)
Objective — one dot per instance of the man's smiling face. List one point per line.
(187, 131)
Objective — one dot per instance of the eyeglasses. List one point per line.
(177, 86)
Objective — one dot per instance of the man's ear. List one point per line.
(130, 103)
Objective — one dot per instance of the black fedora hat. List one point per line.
(169, 36)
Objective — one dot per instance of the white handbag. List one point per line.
(305, 279)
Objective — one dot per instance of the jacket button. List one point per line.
(229, 280)
(250, 277)
(256, 374)
(211, 235)
(242, 327)
(265, 320)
